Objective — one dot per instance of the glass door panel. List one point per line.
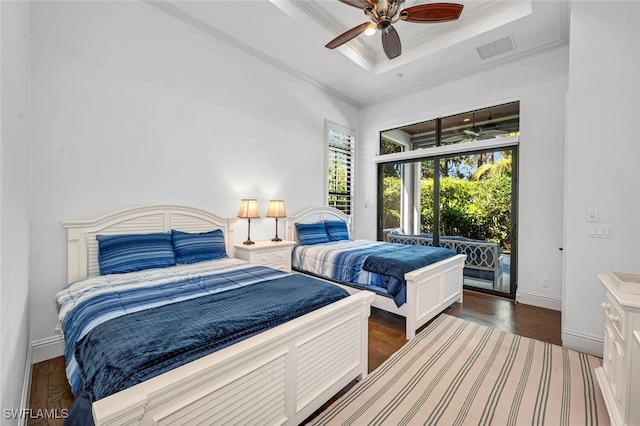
(427, 217)
(392, 197)
(474, 215)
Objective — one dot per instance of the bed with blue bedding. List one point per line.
(162, 325)
(123, 329)
(417, 283)
(372, 265)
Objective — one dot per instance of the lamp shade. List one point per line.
(248, 208)
(276, 209)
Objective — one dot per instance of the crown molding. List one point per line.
(330, 23)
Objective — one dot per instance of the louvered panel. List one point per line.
(343, 343)
(142, 225)
(429, 294)
(257, 398)
(316, 217)
(325, 358)
(191, 224)
(451, 284)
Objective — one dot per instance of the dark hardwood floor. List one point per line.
(50, 390)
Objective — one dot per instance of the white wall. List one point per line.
(540, 83)
(131, 106)
(14, 202)
(602, 159)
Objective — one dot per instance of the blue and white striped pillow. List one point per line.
(337, 230)
(191, 248)
(118, 254)
(311, 233)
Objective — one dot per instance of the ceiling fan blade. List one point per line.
(347, 36)
(432, 12)
(360, 4)
(391, 43)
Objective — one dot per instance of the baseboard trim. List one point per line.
(26, 386)
(51, 347)
(539, 299)
(581, 342)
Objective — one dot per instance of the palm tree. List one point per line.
(492, 170)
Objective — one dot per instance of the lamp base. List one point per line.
(248, 243)
(276, 239)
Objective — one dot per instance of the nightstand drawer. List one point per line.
(272, 256)
(269, 253)
(284, 265)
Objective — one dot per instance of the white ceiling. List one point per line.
(291, 35)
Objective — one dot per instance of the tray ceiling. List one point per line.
(291, 35)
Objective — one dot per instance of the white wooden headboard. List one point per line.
(311, 215)
(82, 246)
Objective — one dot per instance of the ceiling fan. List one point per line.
(489, 130)
(385, 13)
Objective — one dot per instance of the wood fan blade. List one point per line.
(391, 43)
(347, 36)
(432, 12)
(360, 4)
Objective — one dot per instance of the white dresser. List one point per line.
(276, 254)
(619, 375)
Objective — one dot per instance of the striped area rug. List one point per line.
(457, 372)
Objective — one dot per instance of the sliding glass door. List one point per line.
(475, 205)
(453, 180)
(464, 202)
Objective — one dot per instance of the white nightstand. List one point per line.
(276, 254)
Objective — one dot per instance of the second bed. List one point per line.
(415, 282)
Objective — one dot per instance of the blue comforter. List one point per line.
(123, 344)
(402, 258)
(132, 348)
(87, 303)
(367, 263)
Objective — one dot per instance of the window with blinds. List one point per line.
(340, 167)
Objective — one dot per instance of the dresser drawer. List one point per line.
(615, 316)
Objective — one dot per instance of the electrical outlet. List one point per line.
(544, 281)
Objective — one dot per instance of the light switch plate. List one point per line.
(592, 215)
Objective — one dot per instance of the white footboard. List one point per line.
(431, 289)
(280, 376)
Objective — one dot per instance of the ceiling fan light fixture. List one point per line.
(384, 13)
(371, 30)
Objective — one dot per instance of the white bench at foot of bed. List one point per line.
(278, 377)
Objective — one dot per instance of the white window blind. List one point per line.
(340, 173)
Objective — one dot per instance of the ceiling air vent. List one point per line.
(497, 47)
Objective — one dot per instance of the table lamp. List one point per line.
(249, 210)
(276, 209)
